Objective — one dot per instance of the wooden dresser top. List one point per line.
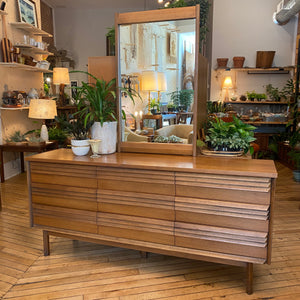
(199, 164)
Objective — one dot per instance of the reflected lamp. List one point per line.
(149, 84)
(44, 109)
(61, 77)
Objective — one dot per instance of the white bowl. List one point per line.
(80, 147)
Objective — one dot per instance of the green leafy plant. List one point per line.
(230, 136)
(215, 107)
(273, 92)
(182, 98)
(17, 137)
(288, 90)
(251, 95)
(111, 35)
(261, 96)
(58, 134)
(97, 101)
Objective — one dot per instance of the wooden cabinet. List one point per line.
(211, 209)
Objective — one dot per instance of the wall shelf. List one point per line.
(264, 123)
(279, 70)
(34, 49)
(24, 67)
(14, 108)
(31, 29)
(257, 102)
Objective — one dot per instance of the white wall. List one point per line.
(82, 31)
(242, 27)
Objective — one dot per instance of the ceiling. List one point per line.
(148, 4)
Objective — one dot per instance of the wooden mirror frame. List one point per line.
(200, 79)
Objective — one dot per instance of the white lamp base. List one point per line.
(44, 133)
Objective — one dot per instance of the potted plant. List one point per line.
(154, 106)
(171, 106)
(261, 97)
(182, 99)
(251, 95)
(17, 138)
(78, 131)
(229, 136)
(97, 103)
(273, 92)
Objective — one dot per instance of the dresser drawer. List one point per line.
(136, 228)
(240, 189)
(136, 180)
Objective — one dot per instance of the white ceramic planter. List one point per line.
(107, 134)
(80, 147)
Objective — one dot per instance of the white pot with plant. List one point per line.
(98, 105)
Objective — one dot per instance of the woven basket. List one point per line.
(238, 61)
(222, 62)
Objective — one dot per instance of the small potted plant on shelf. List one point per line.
(261, 97)
(273, 92)
(17, 138)
(251, 95)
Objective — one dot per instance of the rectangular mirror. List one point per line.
(157, 55)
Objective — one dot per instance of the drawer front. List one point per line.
(240, 189)
(64, 196)
(66, 175)
(64, 218)
(222, 213)
(136, 204)
(135, 180)
(136, 228)
(223, 240)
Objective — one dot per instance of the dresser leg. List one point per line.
(46, 243)
(249, 287)
(144, 254)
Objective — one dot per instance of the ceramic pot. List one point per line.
(107, 134)
(80, 147)
(296, 174)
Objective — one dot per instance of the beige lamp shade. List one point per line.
(149, 81)
(227, 82)
(162, 81)
(61, 76)
(42, 109)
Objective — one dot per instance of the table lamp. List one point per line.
(149, 84)
(61, 77)
(42, 109)
(227, 84)
(162, 84)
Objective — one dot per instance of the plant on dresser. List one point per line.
(98, 105)
(229, 136)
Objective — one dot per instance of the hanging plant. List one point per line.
(204, 12)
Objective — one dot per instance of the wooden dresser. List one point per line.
(213, 209)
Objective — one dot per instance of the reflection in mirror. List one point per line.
(158, 60)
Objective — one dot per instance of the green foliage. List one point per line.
(182, 98)
(273, 92)
(75, 126)
(111, 35)
(154, 104)
(288, 90)
(168, 139)
(97, 101)
(215, 107)
(204, 13)
(16, 137)
(295, 156)
(234, 135)
(57, 134)
(251, 95)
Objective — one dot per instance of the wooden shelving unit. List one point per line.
(24, 67)
(279, 70)
(31, 29)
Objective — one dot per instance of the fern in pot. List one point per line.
(98, 105)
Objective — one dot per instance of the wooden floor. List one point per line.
(80, 270)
